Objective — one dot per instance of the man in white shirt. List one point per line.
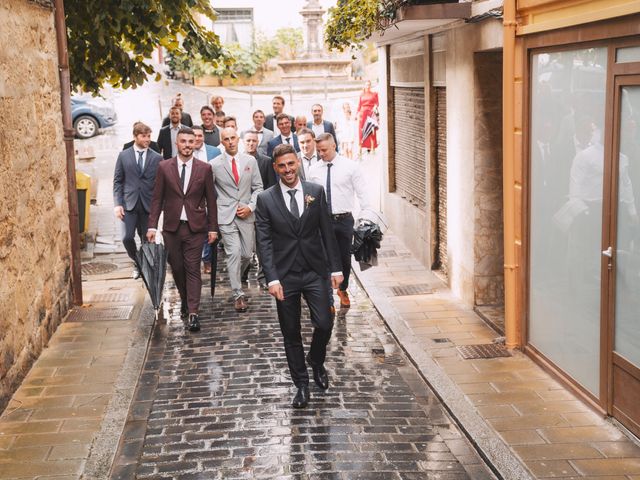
(343, 180)
(307, 155)
(319, 125)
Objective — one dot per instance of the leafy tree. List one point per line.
(351, 22)
(110, 41)
(289, 42)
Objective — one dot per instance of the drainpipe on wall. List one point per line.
(512, 328)
(72, 198)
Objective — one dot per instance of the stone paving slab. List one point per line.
(527, 424)
(53, 427)
(216, 404)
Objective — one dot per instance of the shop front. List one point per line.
(576, 181)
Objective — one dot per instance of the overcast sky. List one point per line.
(269, 15)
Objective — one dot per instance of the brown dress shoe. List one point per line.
(344, 298)
(241, 304)
(207, 267)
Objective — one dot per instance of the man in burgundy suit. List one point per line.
(184, 192)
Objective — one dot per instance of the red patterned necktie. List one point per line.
(234, 169)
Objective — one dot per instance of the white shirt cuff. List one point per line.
(336, 274)
(152, 230)
(273, 282)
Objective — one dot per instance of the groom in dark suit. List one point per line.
(298, 249)
(133, 180)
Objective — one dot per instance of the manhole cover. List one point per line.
(97, 268)
(490, 350)
(110, 297)
(387, 254)
(416, 289)
(97, 314)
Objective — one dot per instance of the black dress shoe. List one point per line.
(194, 323)
(302, 398)
(184, 311)
(319, 374)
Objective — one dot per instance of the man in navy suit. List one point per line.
(133, 181)
(283, 121)
(298, 251)
(320, 126)
(271, 121)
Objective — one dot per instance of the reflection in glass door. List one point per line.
(566, 193)
(626, 261)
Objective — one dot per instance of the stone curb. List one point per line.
(488, 444)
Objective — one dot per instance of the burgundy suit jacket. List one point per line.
(199, 201)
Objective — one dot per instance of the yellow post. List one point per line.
(83, 187)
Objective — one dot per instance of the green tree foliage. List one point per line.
(111, 41)
(351, 22)
(289, 42)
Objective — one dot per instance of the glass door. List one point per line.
(624, 257)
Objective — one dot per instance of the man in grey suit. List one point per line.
(264, 134)
(133, 181)
(237, 181)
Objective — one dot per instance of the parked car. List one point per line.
(89, 114)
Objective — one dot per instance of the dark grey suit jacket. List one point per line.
(131, 185)
(268, 122)
(328, 128)
(275, 141)
(280, 236)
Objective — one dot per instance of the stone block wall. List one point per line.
(35, 290)
(488, 240)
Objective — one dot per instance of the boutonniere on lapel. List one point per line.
(247, 169)
(308, 200)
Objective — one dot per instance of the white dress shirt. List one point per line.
(144, 155)
(317, 129)
(284, 139)
(187, 177)
(307, 163)
(200, 153)
(347, 180)
(174, 136)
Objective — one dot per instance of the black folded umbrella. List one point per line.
(214, 265)
(366, 242)
(370, 124)
(152, 264)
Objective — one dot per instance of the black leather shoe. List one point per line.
(184, 311)
(194, 323)
(319, 374)
(302, 398)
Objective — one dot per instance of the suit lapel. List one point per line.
(194, 171)
(306, 207)
(173, 171)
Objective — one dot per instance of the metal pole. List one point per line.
(72, 198)
(160, 108)
(290, 95)
(251, 96)
(326, 88)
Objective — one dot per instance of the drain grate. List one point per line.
(440, 340)
(387, 254)
(416, 289)
(110, 297)
(97, 268)
(97, 314)
(490, 350)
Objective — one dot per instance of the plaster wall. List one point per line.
(34, 224)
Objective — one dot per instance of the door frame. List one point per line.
(627, 74)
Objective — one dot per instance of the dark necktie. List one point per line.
(234, 170)
(288, 140)
(140, 161)
(328, 189)
(293, 204)
(183, 176)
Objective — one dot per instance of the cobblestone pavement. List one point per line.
(216, 404)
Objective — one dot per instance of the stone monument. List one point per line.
(314, 64)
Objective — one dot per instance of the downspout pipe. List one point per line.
(512, 328)
(72, 197)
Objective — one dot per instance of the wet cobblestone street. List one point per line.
(216, 404)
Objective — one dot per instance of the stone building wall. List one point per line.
(35, 289)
